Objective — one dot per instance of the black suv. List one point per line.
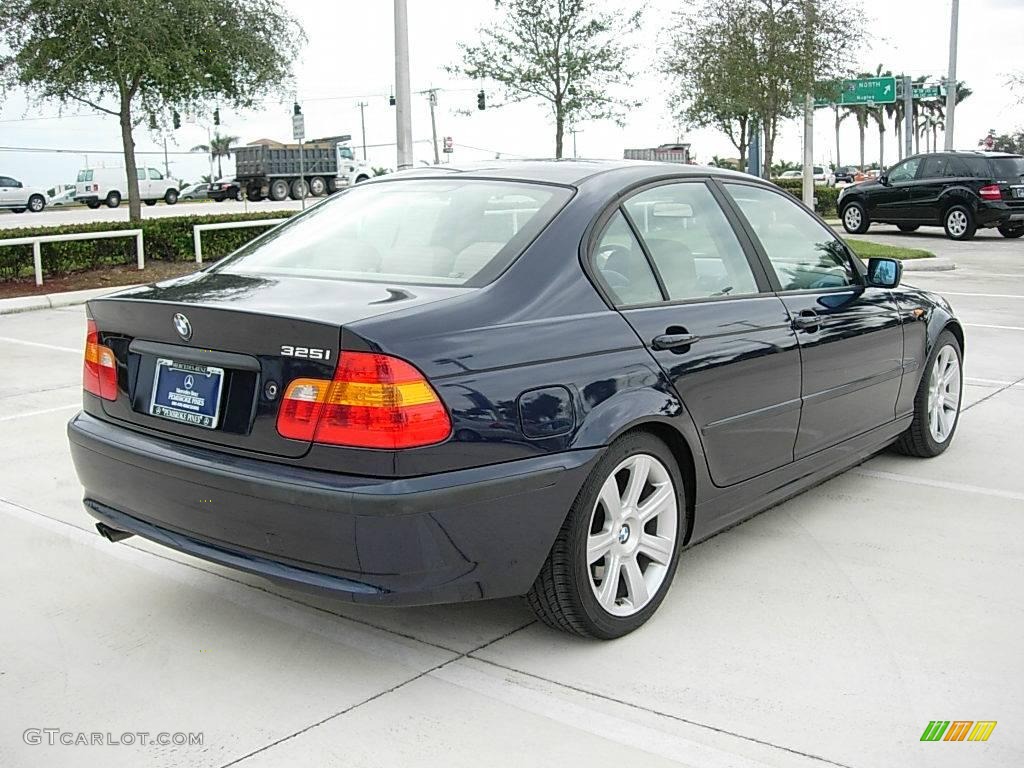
(960, 191)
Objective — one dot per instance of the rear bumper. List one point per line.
(87, 198)
(994, 214)
(466, 535)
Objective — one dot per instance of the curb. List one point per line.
(55, 300)
(937, 264)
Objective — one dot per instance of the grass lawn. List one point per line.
(867, 249)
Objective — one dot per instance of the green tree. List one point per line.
(563, 52)
(134, 58)
(219, 147)
(773, 52)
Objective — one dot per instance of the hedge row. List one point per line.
(825, 198)
(164, 239)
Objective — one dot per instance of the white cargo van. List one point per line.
(96, 186)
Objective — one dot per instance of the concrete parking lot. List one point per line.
(827, 631)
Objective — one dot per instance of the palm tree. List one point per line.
(879, 113)
(782, 166)
(840, 116)
(219, 146)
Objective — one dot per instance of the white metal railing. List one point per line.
(198, 229)
(36, 242)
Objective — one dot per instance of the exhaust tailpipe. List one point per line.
(112, 534)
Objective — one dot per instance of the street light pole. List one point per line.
(432, 98)
(403, 97)
(574, 131)
(808, 174)
(951, 78)
(362, 122)
(908, 116)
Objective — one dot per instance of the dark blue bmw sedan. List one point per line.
(539, 378)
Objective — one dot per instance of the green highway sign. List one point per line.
(868, 90)
(928, 91)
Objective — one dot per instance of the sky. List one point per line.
(349, 57)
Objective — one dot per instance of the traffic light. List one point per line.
(481, 100)
(216, 116)
(296, 109)
(152, 122)
(391, 100)
(176, 120)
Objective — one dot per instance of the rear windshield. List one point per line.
(1008, 168)
(421, 231)
(85, 175)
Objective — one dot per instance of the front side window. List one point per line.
(905, 171)
(623, 268)
(155, 175)
(804, 254)
(691, 242)
(417, 231)
(7, 182)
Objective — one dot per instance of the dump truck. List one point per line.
(666, 153)
(272, 170)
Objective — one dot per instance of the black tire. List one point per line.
(17, 210)
(361, 179)
(254, 193)
(908, 227)
(918, 439)
(562, 596)
(237, 195)
(113, 199)
(171, 196)
(93, 204)
(36, 204)
(855, 218)
(1011, 232)
(332, 185)
(317, 186)
(150, 202)
(299, 189)
(278, 190)
(959, 223)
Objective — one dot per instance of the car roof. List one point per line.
(567, 171)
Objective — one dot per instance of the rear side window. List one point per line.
(1008, 168)
(803, 253)
(85, 175)
(623, 268)
(417, 231)
(974, 167)
(691, 242)
(935, 167)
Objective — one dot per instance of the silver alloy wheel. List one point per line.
(632, 535)
(852, 217)
(944, 394)
(956, 222)
(36, 204)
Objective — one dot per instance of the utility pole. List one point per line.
(574, 131)
(167, 166)
(403, 115)
(908, 116)
(432, 98)
(951, 78)
(808, 175)
(362, 122)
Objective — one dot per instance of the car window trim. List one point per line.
(599, 224)
(777, 288)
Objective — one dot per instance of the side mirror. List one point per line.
(884, 273)
(883, 179)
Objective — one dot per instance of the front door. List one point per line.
(673, 264)
(891, 201)
(8, 191)
(850, 334)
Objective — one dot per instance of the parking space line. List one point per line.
(992, 382)
(8, 340)
(40, 413)
(986, 295)
(997, 327)
(932, 483)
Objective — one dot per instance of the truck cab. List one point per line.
(350, 170)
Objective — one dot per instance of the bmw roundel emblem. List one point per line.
(183, 326)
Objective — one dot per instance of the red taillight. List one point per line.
(99, 373)
(374, 401)
(991, 192)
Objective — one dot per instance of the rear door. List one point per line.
(926, 190)
(850, 334)
(672, 262)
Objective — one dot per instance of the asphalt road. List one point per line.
(827, 631)
(78, 214)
